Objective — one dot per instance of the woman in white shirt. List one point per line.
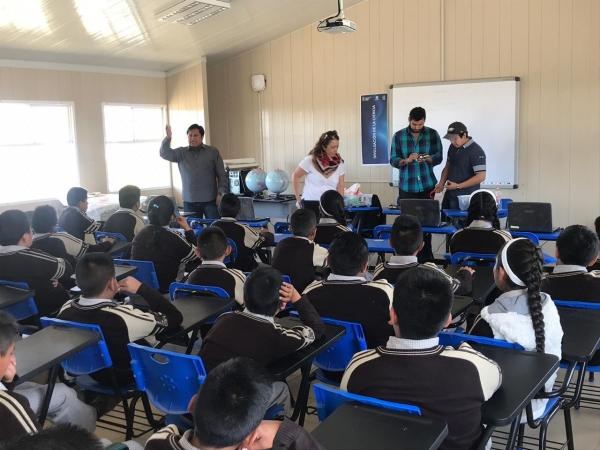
(324, 170)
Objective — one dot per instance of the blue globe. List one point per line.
(277, 181)
(255, 180)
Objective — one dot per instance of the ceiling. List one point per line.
(125, 33)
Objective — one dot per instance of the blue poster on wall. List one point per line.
(374, 129)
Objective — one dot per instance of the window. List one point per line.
(132, 137)
(37, 151)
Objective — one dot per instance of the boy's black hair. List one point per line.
(128, 196)
(160, 211)
(407, 235)
(8, 333)
(348, 254)
(597, 226)
(302, 222)
(417, 113)
(230, 205)
(195, 126)
(93, 272)
(577, 245)
(212, 243)
(76, 195)
(44, 219)
(261, 291)
(13, 225)
(231, 403)
(58, 437)
(422, 302)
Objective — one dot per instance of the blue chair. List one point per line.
(169, 379)
(94, 358)
(192, 289)
(99, 235)
(24, 309)
(234, 252)
(146, 273)
(455, 339)
(382, 231)
(329, 399)
(282, 227)
(471, 258)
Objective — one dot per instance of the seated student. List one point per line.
(127, 220)
(407, 240)
(347, 295)
(60, 243)
(121, 324)
(522, 314)
(58, 437)
(167, 249)
(333, 218)
(482, 233)
(64, 405)
(228, 413)
(409, 368)
(43, 272)
(74, 219)
(264, 293)
(246, 238)
(297, 256)
(213, 249)
(596, 265)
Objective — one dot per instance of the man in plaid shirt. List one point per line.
(416, 149)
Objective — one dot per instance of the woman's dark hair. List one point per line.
(525, 260)
(44, 219)
(160, 211)
(482, 206)
(324, 140)
(331, 204)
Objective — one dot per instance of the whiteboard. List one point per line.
(488, 107)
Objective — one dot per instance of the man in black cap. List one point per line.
(465, 166)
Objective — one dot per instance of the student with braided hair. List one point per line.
(522, 314)
(333, 218)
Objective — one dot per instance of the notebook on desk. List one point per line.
(427, 211)
(530, 216)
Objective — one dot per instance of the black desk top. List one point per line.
(11, 295)
(460, 304)
(523, 376)
(581, 337)
(358, 427)
(47, 348)
(118, 247)
(287, 365)
(120, 271)
(483, 281)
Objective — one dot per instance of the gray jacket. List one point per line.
(200, 168)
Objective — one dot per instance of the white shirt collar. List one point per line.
(327, 220)
(396, 343)
(402, 260)
(83, 301)
(335, 277)
(2, 387)
(213, 263)
(11, 248)
(562, 268)
(260, 316)
(227, 219)
(481, 224)
(185, 441)
(301, 237)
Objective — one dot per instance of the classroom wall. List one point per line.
(314, 83)
(87, 90)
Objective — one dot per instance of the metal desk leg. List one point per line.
(49, 390)
(512, 437)
(303, 391)
(192, 339)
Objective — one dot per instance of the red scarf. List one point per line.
(327, 165)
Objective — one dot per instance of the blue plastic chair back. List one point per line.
(455, 339)
(329, 399)
(532, 237)
(336, 357)
(169, 379)
(89, 360)
(282, 227)
(104, 234)
(577, 304)
(234, 252)
(504, 202)
(459, 257)
(146, 273)
(24, 309)
(191, 289)
(382, 231)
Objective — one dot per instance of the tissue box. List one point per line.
(357, 200)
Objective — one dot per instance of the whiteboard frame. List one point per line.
(478, 80)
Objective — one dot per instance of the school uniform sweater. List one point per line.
(328, 229)
(168, 250)
(256, 336)
(16, 417)
(125, 221)
(74, 247)
(215, 273)
(570, 282)
(397, 265)
(354, 299)
(122, 324)
(77, 223)
(412, 372)
(40, 271)
(479, 237)
(53, 246)
(297, 257)
(247, 240)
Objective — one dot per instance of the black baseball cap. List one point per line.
(455, 128)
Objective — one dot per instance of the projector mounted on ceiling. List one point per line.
(337, 23)
(191, 12)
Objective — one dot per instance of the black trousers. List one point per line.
(426, 254)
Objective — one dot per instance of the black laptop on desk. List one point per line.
(427, 211)
(530, 216)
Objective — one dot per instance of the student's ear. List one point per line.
(248, 442)
(113, 285)
(448, 320)
(421, 246)
(393, 317)
(228, 250)
(365, 267)
(312, 234)
(557, 253)
(197, 252)
(192, 404)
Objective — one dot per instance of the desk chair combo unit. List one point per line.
(17, 299)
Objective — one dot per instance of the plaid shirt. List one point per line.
(416, 176)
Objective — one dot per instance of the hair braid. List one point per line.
(533, 279)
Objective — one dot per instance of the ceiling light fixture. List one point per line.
(191, 12)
